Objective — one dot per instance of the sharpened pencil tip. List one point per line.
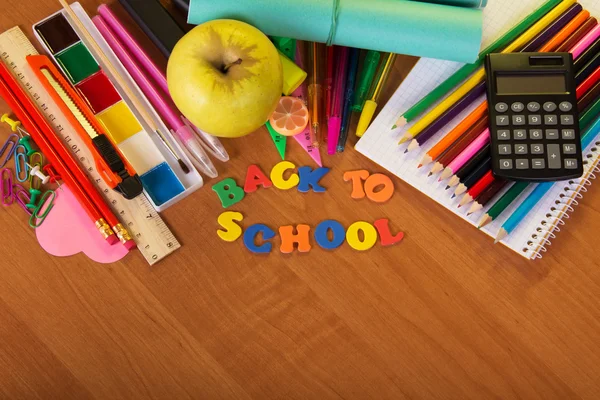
(403, 140)
(394, 127)
(447, 187)
(469, 213)
(419, 166)
(405, 151)
(429, 174)
(453, 196)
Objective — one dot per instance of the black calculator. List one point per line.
(534, 120)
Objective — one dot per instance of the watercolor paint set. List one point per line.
(165, 183)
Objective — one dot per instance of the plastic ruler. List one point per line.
(150, 233)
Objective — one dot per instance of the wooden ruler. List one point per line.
(150, 233)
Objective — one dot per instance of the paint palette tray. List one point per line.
(164, 181)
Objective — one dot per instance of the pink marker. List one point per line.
(211, 143)
(185, 134)
(334, 123)
(468, 153)
(585, 42)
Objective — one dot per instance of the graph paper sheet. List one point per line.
(380, 144)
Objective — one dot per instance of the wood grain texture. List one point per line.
(443, 315)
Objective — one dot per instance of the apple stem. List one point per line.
(236, 62)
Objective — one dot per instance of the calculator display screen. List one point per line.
(531, 84)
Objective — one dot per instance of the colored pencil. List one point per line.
(587, 56)
(477, 188)
(482, 168)
(458, 147)
(566, 32)
(553, 29)
(590, 115)
(465, 170)
(588, 69)
(448, 140)
(577, 35)
(587, 84)
(487, 195)
(479, 76)
(585, 42)
(448, 116)
(588, 98)
(463, 73)
(467, 153)
(502, 203)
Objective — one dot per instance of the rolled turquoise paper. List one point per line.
(403, 27)
(460, 3)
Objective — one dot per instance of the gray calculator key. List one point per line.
(570, 163)
(550, 119)
(504, 149)
(567, 120)
(502, 107)
(549, 106)
(538, 163)
(536, 134)
(565, 106)
(503, 134)
(551, 134)
(568, 134)
(569, 149)
(520, 134)
(506, 164)
(535, 119)
(533, 106)
(517, 107)
(537, 149)
(502, 120)
(522, 163)
(518, 120)
(554, 156)
(520, 149)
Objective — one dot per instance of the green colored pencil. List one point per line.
(502, 203)
(590, 115)
(468, 69)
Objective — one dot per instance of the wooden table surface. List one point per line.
(446, 314)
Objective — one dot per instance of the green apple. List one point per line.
(226, 77)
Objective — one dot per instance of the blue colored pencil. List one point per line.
(348, 101)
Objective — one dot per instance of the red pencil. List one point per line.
(61, 158)
(588, 83)
(477, 188)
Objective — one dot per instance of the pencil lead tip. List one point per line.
(419, 166)
(429, 174)
(394, 127)
(447, 187)
(460, 205)
(405, 151)
(453, 196)
(469, 213)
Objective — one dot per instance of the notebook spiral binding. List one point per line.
(564, 205)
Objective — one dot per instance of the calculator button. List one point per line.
(551, 134)
(565, 106)
(567, 120)
(533, 106)
(570, 163)
(569, 149)
(550, 119)
(522, 163)
(502, 107)
(517, 107)
(506, 164)
(503, 134)
(520, 149)
(549, 106)
(520, 134)
(554, 156)
(538, 163)
(535, 134)
(537, 149)
(504, 149)
(502, 120)
(568, 134)
(535, 119)
(518, 120)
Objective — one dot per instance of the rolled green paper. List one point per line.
(459, 3)
(403, 27)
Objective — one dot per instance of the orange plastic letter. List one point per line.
(288, 238)
(357, 177)
(385, 193)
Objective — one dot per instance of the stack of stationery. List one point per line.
(443, 119)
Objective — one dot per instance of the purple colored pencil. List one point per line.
(537, 42)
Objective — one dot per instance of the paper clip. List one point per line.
(34, 181)
(8, 149)
(22, 198)
(6, 187)
(36, 220)
(21, 166)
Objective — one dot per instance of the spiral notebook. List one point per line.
(381, 145)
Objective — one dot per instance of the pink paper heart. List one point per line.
(68, 231)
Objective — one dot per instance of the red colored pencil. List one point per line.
(477, 188)
(588, 83)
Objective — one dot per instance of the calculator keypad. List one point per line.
(535, 136)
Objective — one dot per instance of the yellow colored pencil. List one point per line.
(479, 76)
